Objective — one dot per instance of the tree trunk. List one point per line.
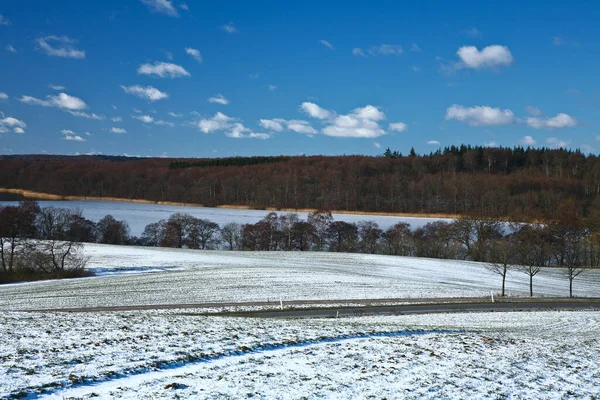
(530, 285)
(570, 286)
(503, 281)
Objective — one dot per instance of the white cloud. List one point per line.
(534, 111)
(433, 143)
(219, 122)
(357, 51)
(271, 125)
(56, 87)
(586, 148)
(60, 46)
(377, 145)
(220, 99)
(556, 143)
(116, 119)
(272, 88)
(10, 48)
(386, 50)
(398, 127)
(229, 28)
(118, 130)
(144, 118)
(491, 144)
(175, 115)
(3, 96)
(489, 57)
(528, 141)
(162, 69)
(4, 21)
(63, 101)
(361, 123)
(161, 6)
(74, 138)
(86, 115)
(559, 121)
(480, 115)
(67, 132)
(300, 126)
(231, 128)
(326, 44)
(164, 123)
(7, 123)
(195, 54)
(315, 111)
(184, 6)
(148, 92)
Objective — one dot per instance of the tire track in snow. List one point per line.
(164, 368)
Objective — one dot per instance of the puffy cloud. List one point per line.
(195, 54)
(231, 127)
(489, 57)
(116, 119)
(63, 101)
(315, 111)
(144, 118)
(534, 111)
(10, 48)
(559, 121)
(4, 21)
(220, 99)
(60, 46)
(118, 130)
(357, 51)
(56, 87)
(300, 126)
(229, 28)
(398, 127)
(70, 135)
(326, 44)
(3, 96)
(161, 6)
(162, 69)
(556, 143)
(491, 144)
(527, 141)
(480, 115)
(386, 50)
(148, 92)
(16, 125)
(433, 143)
(272, 125)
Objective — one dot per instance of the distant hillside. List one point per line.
(516, 181)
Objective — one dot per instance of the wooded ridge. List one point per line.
(518, 183)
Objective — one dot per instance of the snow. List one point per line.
(138, 215)
(151, 355)
(156, 276)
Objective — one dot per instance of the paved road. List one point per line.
(407, 309)
(346, 308)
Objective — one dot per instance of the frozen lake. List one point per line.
(138, 215)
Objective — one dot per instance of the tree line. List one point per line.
(512, 183)
(46, 242)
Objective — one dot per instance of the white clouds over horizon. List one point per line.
(295, 125)
(480, 115)
(16, 125)
(230, 126)
(489, 57)
(71, 136)
(60, 46)
(148, 93)
(163, 70)
(559, 121)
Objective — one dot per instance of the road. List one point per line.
(347, 308)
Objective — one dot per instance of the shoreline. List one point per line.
(49, 196)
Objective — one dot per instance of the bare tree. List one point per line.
(321, 220)
(398, 240)
(231, 235)
(111, 231)
(501, 257)
(202, 234)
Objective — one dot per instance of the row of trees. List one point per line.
(520, 183)
(47, 241)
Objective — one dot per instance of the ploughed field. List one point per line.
(138, 276)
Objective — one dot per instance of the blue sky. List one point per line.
(214, 79)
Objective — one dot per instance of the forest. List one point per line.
(527, 184)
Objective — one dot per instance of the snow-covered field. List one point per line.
(138, 215)
(152, 354)
(156, 276)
